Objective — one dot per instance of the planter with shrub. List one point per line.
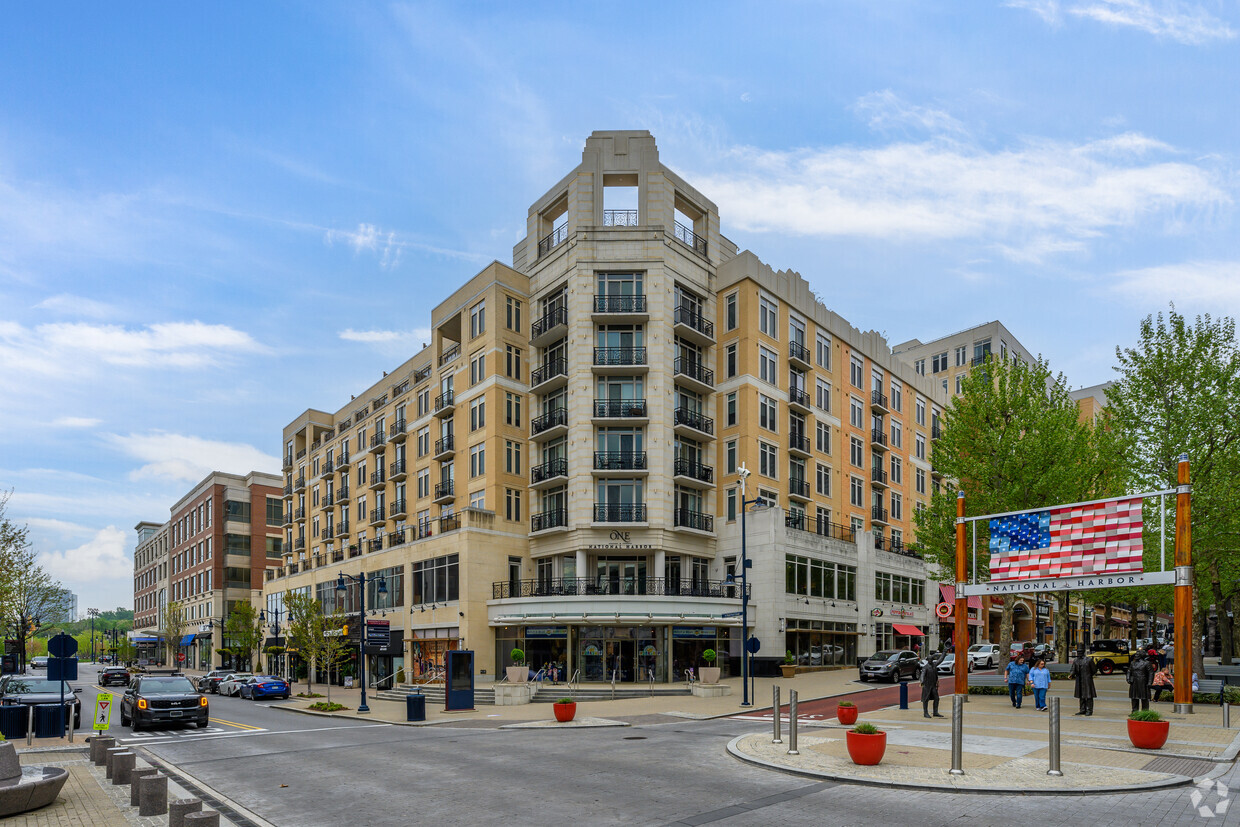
(846, 713)
(565, 709)
(789, 666)
(709, 673)
(518, 672)
(866, 744)
(1147, 729)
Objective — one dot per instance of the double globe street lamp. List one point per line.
(275, 629)
(361, 579)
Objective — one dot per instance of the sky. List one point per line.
(214, 217)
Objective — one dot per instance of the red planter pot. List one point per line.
(1148, 734)
(847, 715)
(564, 712)
(866, 750)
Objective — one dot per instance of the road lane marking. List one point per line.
(216, 720)
(160, 738)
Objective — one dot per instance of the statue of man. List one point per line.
(1140, 681)
(930, 685)
(1083, 669)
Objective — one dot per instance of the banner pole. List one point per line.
(1183, 591)
(961, 632)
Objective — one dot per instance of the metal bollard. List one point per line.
(1054, 746)
(206, 818)
(1226, 715)
(134, 775)
(30, 725)
(153, 795)
(179, 809)
(957, 735)
(904, 694)
(776, 739)
(792, 722)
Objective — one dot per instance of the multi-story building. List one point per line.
(601, 533)
(150, 577)
(65, 608)
(948, 359)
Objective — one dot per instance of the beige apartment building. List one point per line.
(557, 470)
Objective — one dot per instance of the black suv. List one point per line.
(891, 665)
(118, 675)
(32, 691)
(210, 682)
(163, 699)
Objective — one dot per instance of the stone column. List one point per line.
(179, 809)
(122, 766)
(108, 755)
(206, 818)
(135, 775)
(153, 795)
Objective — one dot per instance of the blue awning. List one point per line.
(146, 640)
(188, 639)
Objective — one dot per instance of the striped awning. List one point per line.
(948, 592)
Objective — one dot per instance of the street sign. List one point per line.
(62, 669)
(180, 657)
(753, 645)
(378, 632)
(62, 646)
(732, 614)
(103, 711)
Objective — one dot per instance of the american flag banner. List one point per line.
(1077, 540)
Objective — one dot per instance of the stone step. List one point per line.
(543, 693)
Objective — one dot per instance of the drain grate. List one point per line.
(1180, 766)
(635, 738)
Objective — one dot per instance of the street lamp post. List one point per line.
(746, 655)
(361, 579)
(93, 613)
(275, 629)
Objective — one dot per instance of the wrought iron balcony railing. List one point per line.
(614, 513)
(620, 586)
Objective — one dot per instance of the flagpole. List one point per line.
(961, 632)
(1183, 591)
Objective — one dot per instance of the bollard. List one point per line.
(97, 746)
(134, 775)
(30, 725)
(179, 809)
(904, 694)
(1226, 715)
(776, 739)
(108, 757)
(1054, 746)
(153, 795)
(792, 722)
(68, 713)
(206, 818)
(957, 735)
(122, 766)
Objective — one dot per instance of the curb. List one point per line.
(735, 752)
(316, 713)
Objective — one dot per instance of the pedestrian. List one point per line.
(1140, 678)
(1163, 683)
(930, 685)
(1017, 674)
(1028, 652)
(1040, 677)
(1083, 670)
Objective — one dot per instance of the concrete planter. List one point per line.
(788, 669)
(518, 674)
(709, 674)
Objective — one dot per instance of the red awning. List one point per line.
(902, 629)
(948, 593)
(975, 602)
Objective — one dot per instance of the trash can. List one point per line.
(49, 721)
(13, 721)
(415, 707)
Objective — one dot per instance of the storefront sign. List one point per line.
(620, 541)
(1100, 581)
(901, 613)
(876, 612)
(592, 650)
(377, 632)
(693, 631)
(546, 631)
(943, 610)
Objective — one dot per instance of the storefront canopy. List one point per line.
(904, 629)
(948, 593)
(188, 639)
(145, 640)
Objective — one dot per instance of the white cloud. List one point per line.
(104, 557)
(75, 422)
(1184, 23)
(885, 111)
(1206, 285)
(367, 237)
(67, 304)
(181, 458)
(421, 334)
(1048, 10)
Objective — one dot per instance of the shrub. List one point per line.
(865, 729)
(327, 706)
(790, 658)
(565, 701)
(1144, 715)
(309, 694)
(518, 657)
(709, 656)
(994, 690)
(846, 703)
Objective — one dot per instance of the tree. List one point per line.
(29, 597)
(244, 632)
(305, 630)
(1015, 442)
(335, 646)
(172, 618)
(1178, 392)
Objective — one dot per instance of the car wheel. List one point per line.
(203, 723)
(970, 667)
(1106, 667)
(124, 718)
(990, 663)
(136, 725)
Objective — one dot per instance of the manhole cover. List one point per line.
(635, 738)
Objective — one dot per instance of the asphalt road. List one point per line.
(295, 769)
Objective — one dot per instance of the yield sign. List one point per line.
(103, 710)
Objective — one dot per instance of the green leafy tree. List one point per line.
(244, 632)
(1015, 442)
(172, 618)
(29, 597)
(1178, 392)
(305, 630)
(335, 647)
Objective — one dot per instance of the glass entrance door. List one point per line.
(621, 661)
(622, 576)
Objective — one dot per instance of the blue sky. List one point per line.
(212, 219)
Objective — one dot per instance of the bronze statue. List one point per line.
(1140, 681)
(1083, 669)
(930, 685)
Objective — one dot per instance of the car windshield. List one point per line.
(884, 656)
(979, 647)
(261, 678)
(236, 676)
(165, 686)
(22, 686)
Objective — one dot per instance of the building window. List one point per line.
(823, 394)
(960, 383)
(513, 309)
(919, 478)
(855, 372)
(856, 489)
(939, 362)
(730, 408)
(477, 368)
(767, 459)
(512, 409)
(424, 482)
(767, 412)
(730, 312)
(897, 396)
(767, 364)
(730, 454)
(962, 355)
(897, 435)
(897, 470)
(897, 506)
(477, 413)
(921, 447)
(921, 412)
(856, 413)
(823, 354)
(512, 504)
(919, 367)
(477, 460)
(478, 499)
(512, 456)
(512, 362)
(731, 504)
(768, 316)
(823, 434)
(855, 452)
(729, 360)
(478, 319)
(823, 479)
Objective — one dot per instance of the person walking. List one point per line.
(930, 685)
(1040, 677)
(1083, 670)
(1140, 679)
(1017, 674)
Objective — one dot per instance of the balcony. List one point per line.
(619, 359)
(396, 538)
(878, 403)
(936, 432)
(328, 468)
(619, 461)
(556, 518)
(445, 403)
(878, 440)
(696, 520)
(612, 513)
(620, 409)
(444, 447)
(397, 432)
(378, 443)
(450, 354)
(821, 527)
(288, 518)
(355, 551)
(619, 218)
(299, 513)
(552, 240)
(798, 443)
(398, 509)
(449, 522)
(338, 556)
(343, 460)
(292, 568)
(548, 472)
(604, 586)
(979, 360)
(375, 544)
(798, 489)
(692, 423)
(692, 472)
(328, 503)
(288, 489)
(552, 326)
(377, 516)
(397, 470)
(798, 354)
(378, 479)
(424, 530)
(878, 478)
(550, 425)
(691, 325)
(342, 495)
(288, 462)
(798, 399)
(342, 528)
(894, 546)
(445, 491)
(551, 374)
(299, 484)
(620, 308)
(879, 515)
(936, 473)
(686, 236)
(693, 373)
(299, 544)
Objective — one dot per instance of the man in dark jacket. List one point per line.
(930, 685)
(1083, 669)
(1140, 681)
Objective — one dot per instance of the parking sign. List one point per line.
(103, 711)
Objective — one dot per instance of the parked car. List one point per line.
(1110, 654)
(163, 699)
(118, 675)
(947, 666)
(38, 662)
(231, 684)
(265, 686)
(210, 682)
(984, 654)
(890, 665)
(19, 689)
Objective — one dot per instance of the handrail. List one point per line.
(650, 674)
(613, 684)
(575, 680)
(391, 677)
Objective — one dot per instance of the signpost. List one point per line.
(103, 711)
(62, 666)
